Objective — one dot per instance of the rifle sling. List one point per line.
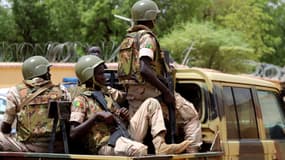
(99, 97)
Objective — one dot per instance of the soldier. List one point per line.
(27, 102)
(140, 65)
(89, 118)
(95, 50)
(187, 118)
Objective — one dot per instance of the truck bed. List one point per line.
(53, 156)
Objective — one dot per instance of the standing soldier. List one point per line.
(27, 102)
(141, 65)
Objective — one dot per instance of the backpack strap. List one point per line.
(35, 94)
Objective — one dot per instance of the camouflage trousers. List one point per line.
(186, 114)
(8, 142)
(144, 112)
(148, 114)
(188, 118)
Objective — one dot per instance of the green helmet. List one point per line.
(84, 68)
(144, 10)
(35, 66)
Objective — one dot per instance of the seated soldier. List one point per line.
(27, 102)
(187, 117)
(92, 120)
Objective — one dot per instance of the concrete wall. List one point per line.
(11, 73)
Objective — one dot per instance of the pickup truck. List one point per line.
(243, 117)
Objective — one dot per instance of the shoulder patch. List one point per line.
(78, 104)
(148, 45)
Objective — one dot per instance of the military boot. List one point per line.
(162, 148)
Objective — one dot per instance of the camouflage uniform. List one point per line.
(140, 90)
(33, 126)
(188, 118)
(83, 106)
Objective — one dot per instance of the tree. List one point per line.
(179, 11)
(97, 20)
(7, 29)
(216, 48)
(277, 11)
(250, 18)
(64, 20)
(31, 19)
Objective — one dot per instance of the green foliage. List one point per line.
(31, 18)
(249, 17)
(223, 31)
(64, 20)
(277, 11)
(179, 11)
(216, 48)
(95, 20)
(7, 28)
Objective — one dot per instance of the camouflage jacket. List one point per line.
(139, 42)
(33, 124)
(83, 106)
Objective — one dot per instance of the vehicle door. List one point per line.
(273, 119)
(244, 139)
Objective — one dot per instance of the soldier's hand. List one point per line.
(124, 113)
(106, 117)
(169, 98)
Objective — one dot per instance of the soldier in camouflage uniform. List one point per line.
(141, 65)
(88, 118)
(187, 118)
(33, 125)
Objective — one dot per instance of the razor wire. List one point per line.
(269, 71)
(53, 51)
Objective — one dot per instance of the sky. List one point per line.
(5, 3)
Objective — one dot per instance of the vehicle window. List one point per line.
(192, 93)
(240, 113)
(230, 110)
(272, 114)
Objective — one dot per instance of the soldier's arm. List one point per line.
(82, 129)
(148, 74)
(146, 55)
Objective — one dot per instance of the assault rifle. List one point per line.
(169, 82)
(121, 129)
(59, 111)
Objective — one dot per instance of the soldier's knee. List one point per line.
(152, 103)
